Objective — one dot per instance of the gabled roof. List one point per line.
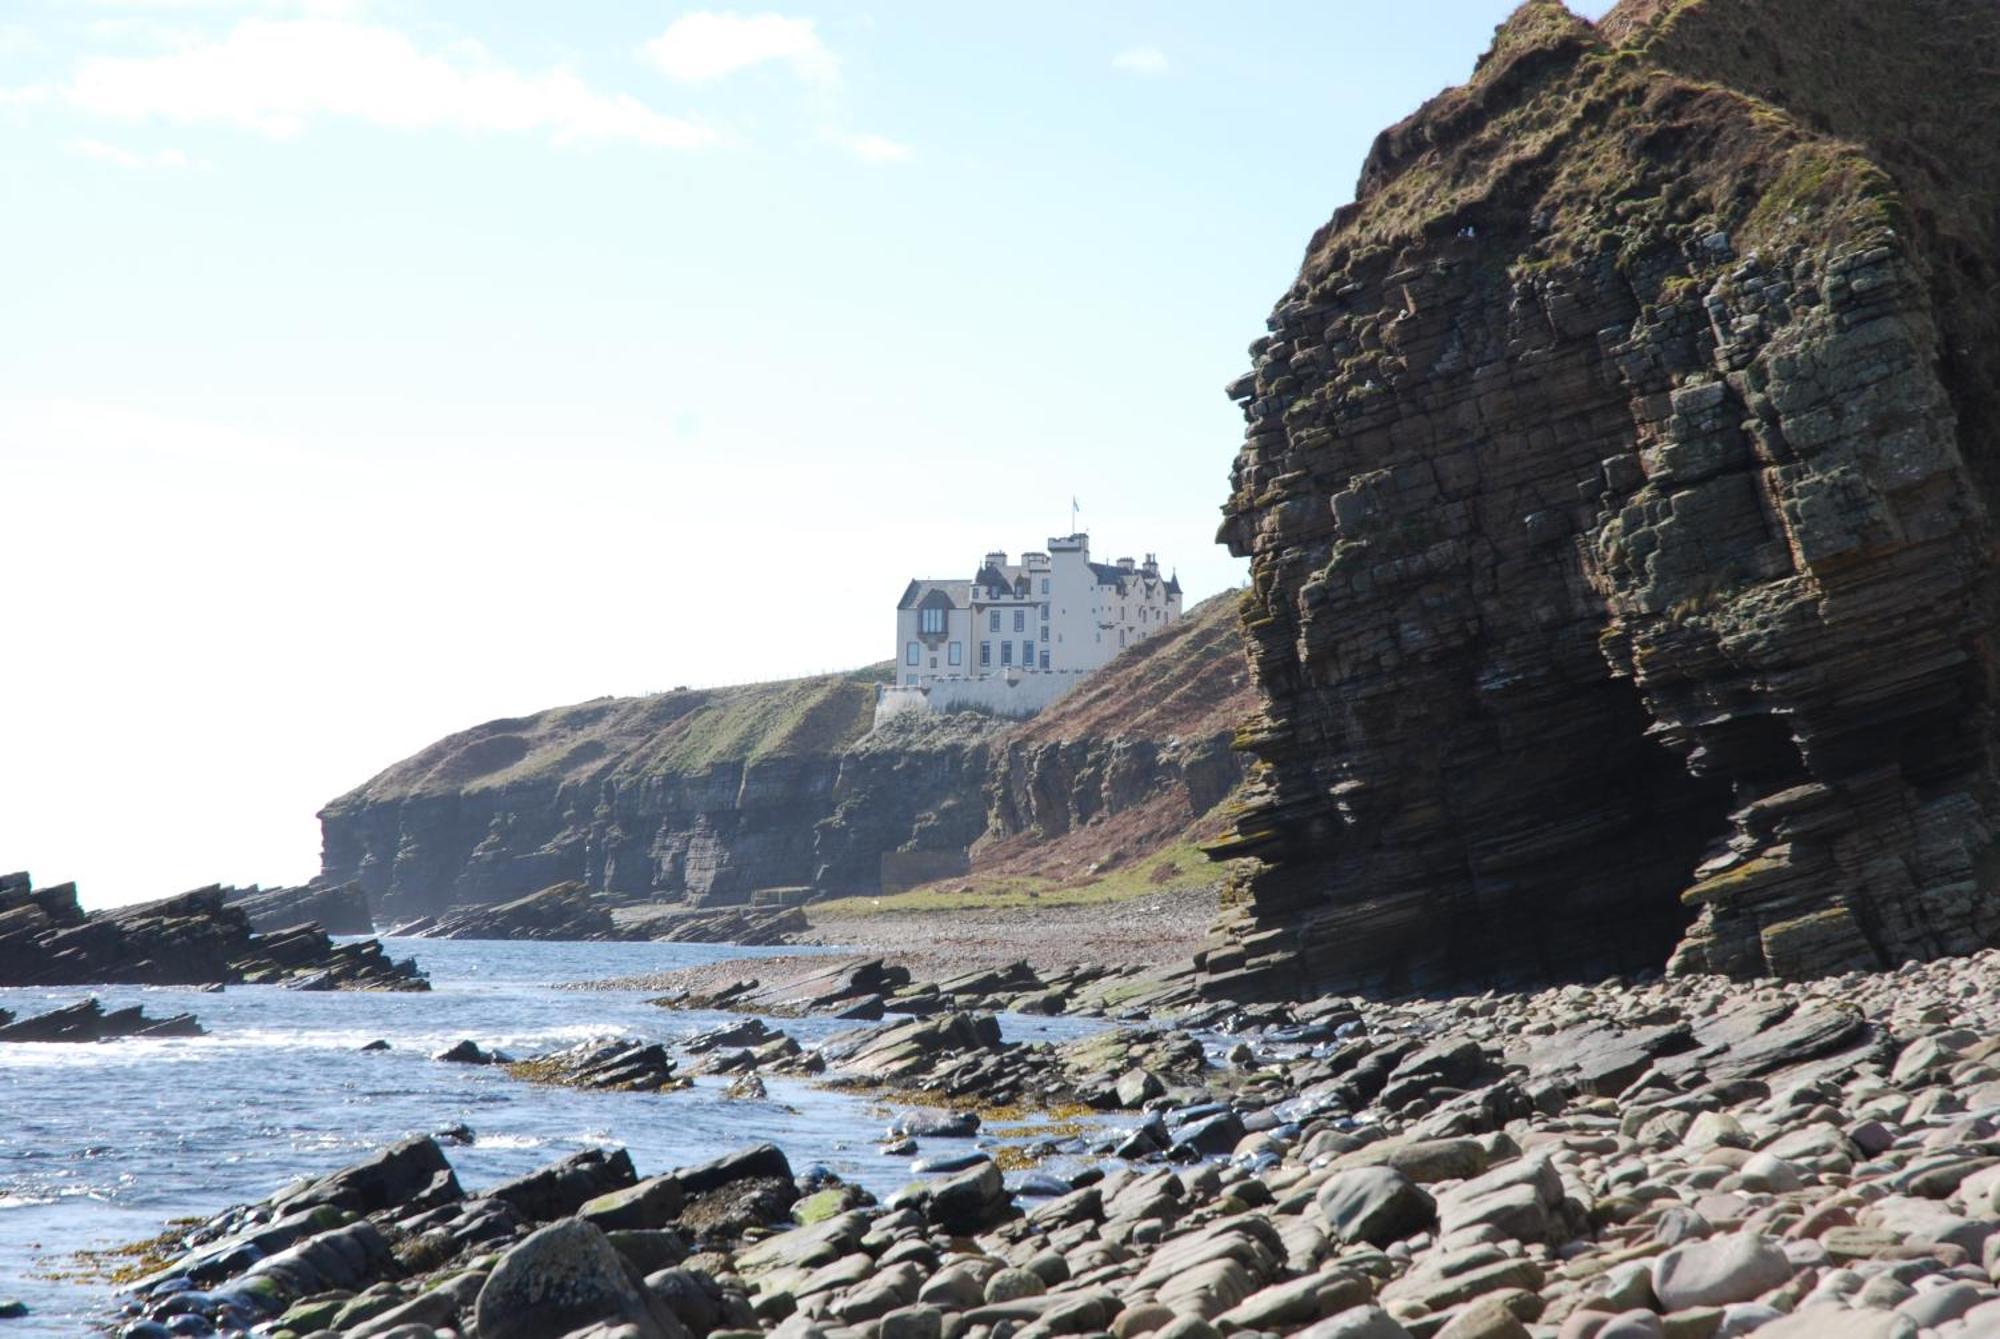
(1109, 574)
(957, 593)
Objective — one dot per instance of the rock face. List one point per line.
(704, 796)
(572, 911)
(716, 798)
(567, 911)
(1141, 749)
(1616, 490)
(338, 909)
(46, 939)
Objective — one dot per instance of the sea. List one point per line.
(105, 1144)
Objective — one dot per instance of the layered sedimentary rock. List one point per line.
(719, 797)
(705, 796)
(1616, 487)
(572, 911)
(90, 1021)
(338, 909)
(1142, 747)
(47, 939)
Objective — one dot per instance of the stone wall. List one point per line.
(1016, 696)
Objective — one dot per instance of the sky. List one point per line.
(374, 368)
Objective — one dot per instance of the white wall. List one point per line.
(933, 653)
(1014, 695)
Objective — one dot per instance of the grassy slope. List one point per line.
(1179, 865)
(687, 731)
(1188, 682)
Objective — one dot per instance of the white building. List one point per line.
(1054, 613)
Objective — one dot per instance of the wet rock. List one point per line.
(562, 1188)
(89, 1021)
(195, 939)
(1209, 1136)
(925, 1123)
(413, 1173)
(806, 1248)
(613, 1064)
(563, 911)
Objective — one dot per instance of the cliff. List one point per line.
(1134, 759)
(338, 910)
(705, 796)
(1616, 490)
(712, 797)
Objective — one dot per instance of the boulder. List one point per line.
(752, 1162)
(563, 1187)
(1523, 1199)
(1738, 1267)
(398, 1177)
(651, 1203)
(1376, 1205)
(562, 1278)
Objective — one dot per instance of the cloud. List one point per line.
(704, 46)
(870, 148)
(170, 160)
(1141, 60)
(278, 76)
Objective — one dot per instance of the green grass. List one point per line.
(1181, 865)
(768, 720)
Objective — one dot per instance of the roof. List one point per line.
(1109, 574)
(993, 576)
(959, 593)
(1174, 584)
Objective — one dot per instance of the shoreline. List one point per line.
(1146, 931)
(1694, 1159)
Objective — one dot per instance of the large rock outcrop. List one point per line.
(572, 911)
(338, 909)
(1616, 488)
(197, 938)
